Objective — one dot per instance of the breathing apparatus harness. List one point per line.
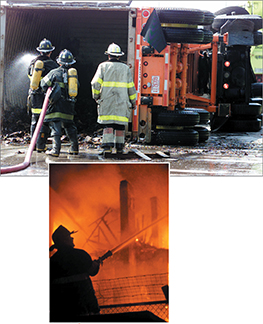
(69, 76)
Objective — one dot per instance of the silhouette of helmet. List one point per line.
(114, 50)
(60, 234)
(45, 46)
(66, 58)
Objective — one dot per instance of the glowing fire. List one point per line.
(86, 198)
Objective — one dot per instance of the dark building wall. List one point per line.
(85, 32)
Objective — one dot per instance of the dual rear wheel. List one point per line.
(186, 25)
(186, 127)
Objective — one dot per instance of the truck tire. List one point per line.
(257, 38)
(252, 109)
(229, 10)
(257, 100)
(180, 16)
(183, 35)
(256, 89)
(244, 125)
(208, 37)
(222, 19)
(208, 18)
(203, 132)
(204, 114)
(178, 118)
(187, 137)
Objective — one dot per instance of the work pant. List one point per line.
(71, 132)
(34, 102)
(43, 134)
(34, 121)
(113, 136)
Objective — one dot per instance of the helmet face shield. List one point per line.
(114, 50)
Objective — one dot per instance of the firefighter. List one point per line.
(60, 112)
(71, 289)
(113, 90)
(35, 93)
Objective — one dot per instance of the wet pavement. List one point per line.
(224, 154)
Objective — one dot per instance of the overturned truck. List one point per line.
(202, 80)
(237, 93)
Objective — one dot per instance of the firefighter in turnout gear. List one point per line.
(71, 289)
(37, 69)
(60, 112)
(114, 91)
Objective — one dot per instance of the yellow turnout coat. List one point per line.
(114, 91)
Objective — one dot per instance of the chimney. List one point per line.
(127, 222)
(154, 217)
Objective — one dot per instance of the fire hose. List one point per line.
(127, 242)
(27, 159)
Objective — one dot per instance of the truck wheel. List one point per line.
(204, 114)
(229, 10)
(208, 37)
(222, 19)
(258, 38)
(246, 125)
(208, 17)
(257, 100)
(178, 118)
(257, 89)
(203, 132)
(180, 16)
(187, 137)
(183, 35)
(252, 109)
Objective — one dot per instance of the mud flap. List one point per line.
(221, 116)
(224, 109)
(217, 122)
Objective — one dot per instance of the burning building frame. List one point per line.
(121, 214)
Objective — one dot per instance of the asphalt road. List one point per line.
(224, 154)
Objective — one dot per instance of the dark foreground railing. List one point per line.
(158, 308)
(133, 294)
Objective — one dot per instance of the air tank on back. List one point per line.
(72, 82)
(36, 76)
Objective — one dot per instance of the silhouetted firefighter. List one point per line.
(71, 289)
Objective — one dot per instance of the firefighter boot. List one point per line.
(74, 148)
(71, 131)
(119, 139)
(108, 140)
(41, 142)
(55, 147)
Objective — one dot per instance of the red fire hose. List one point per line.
(26, 162)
